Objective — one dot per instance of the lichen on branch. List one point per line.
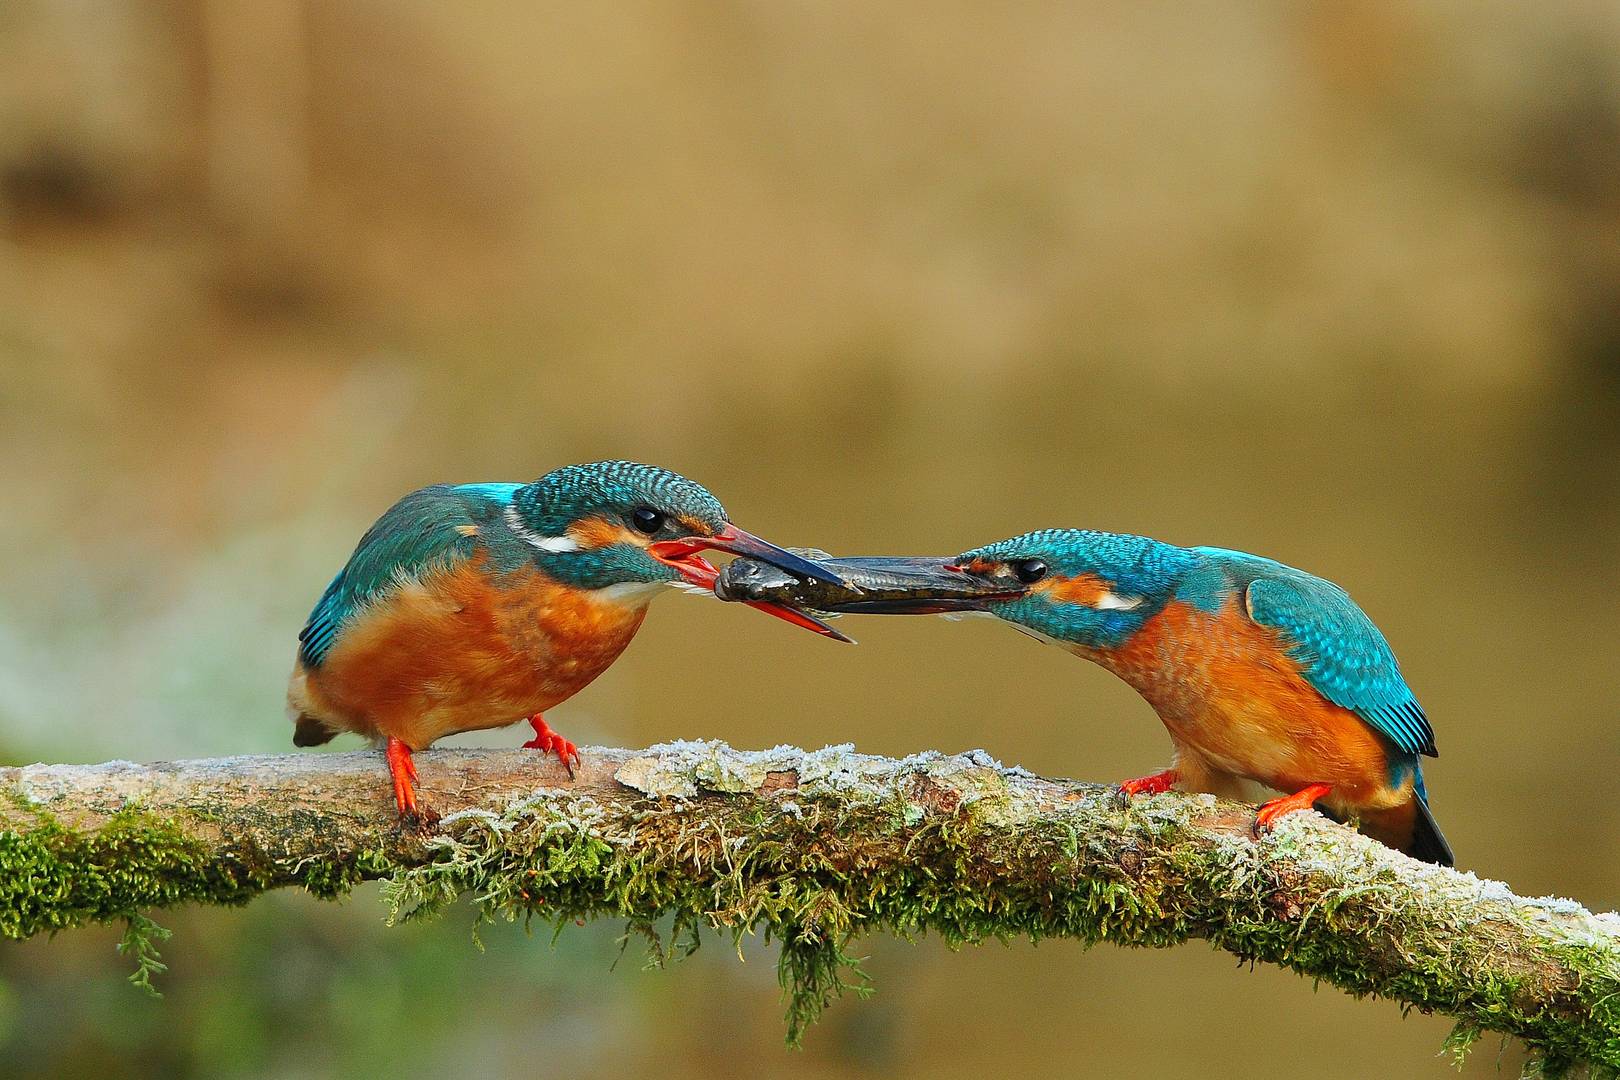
(813, 849)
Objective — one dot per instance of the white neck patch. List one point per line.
(557, 545)
(628, 592)
(1113, 601)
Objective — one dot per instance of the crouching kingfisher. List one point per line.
(479, 605)
(1260, 672)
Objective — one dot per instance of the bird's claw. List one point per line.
(1157, 784)
(1304, 799)
(546, 740)
(402, 770)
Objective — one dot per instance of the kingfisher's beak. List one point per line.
(683, 556)
(738, 542)
(746, 544)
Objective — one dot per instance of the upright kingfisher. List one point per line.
(1260, 672)
(475, 606)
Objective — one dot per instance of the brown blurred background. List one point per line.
(1336, 282)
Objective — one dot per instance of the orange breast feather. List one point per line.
(462, 649)
(1227, 690)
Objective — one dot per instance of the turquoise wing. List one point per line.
(423, 529)
(1343, 654)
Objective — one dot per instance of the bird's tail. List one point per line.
(1409, 827)
(308, 731)
(1428, 842)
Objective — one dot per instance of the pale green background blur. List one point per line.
(1334, 282)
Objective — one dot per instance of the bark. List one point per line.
(813, 848)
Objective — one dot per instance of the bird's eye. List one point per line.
(647, 520)
(1029, 571)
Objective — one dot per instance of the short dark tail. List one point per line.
(1428, 842)
(309, 731)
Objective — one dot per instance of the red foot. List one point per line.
(1303, 799)
(1156, 784)
(546, 739)
(403, 770)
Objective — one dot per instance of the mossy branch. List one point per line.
(812, 848)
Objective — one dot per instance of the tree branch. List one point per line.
(813, 848)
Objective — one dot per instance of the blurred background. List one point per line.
(1336, 282)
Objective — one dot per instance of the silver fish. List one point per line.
(874, 585)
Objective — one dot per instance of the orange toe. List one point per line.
(546, 740)
(403, 771)
(1150, 785)
(1303, 799)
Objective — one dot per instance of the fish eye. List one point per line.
(647, 520)
(1029, 571)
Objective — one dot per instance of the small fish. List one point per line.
(874, 585)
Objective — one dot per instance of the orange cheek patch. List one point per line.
(693, 526)
(1087, 589)
(593, 533)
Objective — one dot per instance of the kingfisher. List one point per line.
(1261, 673)
(474, 606)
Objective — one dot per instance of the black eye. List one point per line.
(1029, 571)
(647, 520)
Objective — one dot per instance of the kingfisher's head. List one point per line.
(1079, 587)
(630, 527)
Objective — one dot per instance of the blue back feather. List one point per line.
(1343, 654)
(418, 532)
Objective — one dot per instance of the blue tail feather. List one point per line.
(1428, 842)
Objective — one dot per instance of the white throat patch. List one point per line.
(1113, 601)
(628, 592)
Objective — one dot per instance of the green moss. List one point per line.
(52, 877)
(335, 877)
(141, 936)
(832, 869)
